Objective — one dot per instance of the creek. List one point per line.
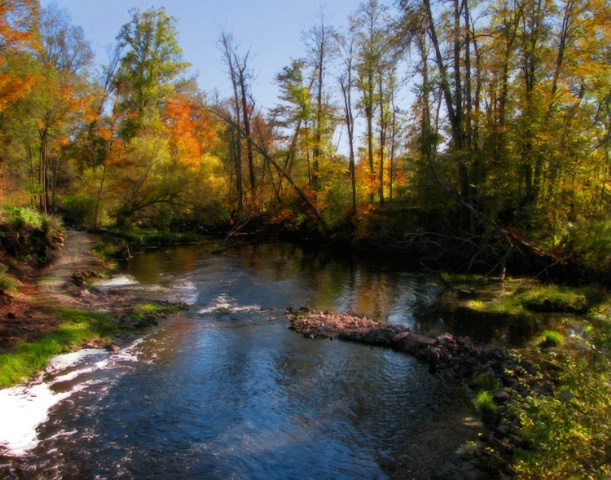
(227, 391)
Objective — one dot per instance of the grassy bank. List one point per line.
(569, 428)
(76, 328)
(564, 418)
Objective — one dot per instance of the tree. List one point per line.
(17, 40)
(243, 109)
(321, 43)
(376, 69)
(346, 82)
(150, 70)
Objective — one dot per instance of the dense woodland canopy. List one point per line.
(475, 133)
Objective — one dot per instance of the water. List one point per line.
(227, 391)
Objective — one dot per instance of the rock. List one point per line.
(113, 348)
(501, 397)
(411, 342)
(400, 336)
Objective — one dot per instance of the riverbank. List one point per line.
(53, 310)
(534, 403)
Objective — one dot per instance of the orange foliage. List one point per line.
(190, 131)
(14, 38)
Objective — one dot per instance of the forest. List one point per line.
(496, 161)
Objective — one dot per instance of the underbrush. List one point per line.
(29, 236)
(570, 430)
(564, 422)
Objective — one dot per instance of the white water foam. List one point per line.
(24, 407)
(117, 281)
(185, 291)
(225, 304)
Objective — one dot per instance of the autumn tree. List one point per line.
(17, 39)
(151, 69)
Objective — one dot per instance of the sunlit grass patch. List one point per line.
(555, 298)
(550, 338)
(31, 357)
(152, 308)
(484, 401)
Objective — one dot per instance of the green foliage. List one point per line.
(28, 235)
(550, 338)
(485, 402)
(79, 209)
(18, 218)
(7, 282)
(570, 431)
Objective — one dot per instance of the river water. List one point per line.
(226, 391)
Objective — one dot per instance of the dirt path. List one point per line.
(26, 315)
(74, 264)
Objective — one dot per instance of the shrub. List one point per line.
(485, 402)
(487, 382)
(28, 235)
(7, 282)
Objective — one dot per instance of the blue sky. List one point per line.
(270, 29)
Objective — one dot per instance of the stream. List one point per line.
(226, 391)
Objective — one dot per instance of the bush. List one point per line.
(7, 282)
(29, 236)
(79, 209)
(550, 338)
(484, 401)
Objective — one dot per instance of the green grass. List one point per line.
(31, 357)
(556, 298)
(550, 338)
(484, 401)
(77, 327)
(151, 308)
(487, 382)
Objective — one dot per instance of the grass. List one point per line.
(77, 328)
(550, 338)
(8, 283)
(484, 401)
(556, 298)
(152, 308)
(29, 358)
(487, 382)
